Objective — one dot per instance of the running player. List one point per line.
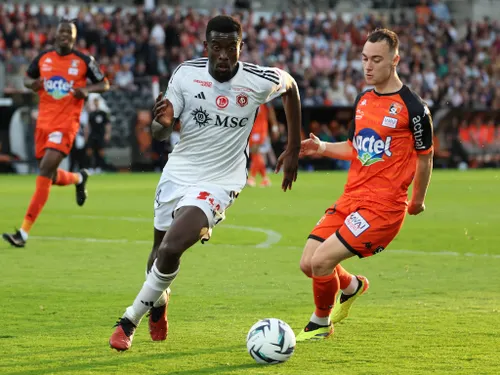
(258, 137)
(59, 77)
(390, 142)
(216, 101)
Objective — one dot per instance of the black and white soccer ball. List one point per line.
(271, 341)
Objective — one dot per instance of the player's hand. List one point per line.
(80, 93)
(309, 146)
(163, 111)
(289, 160)
(37, 85)
(414, 208)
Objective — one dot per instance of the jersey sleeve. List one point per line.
(174, 91)
(421, 125)
(272, 82)
(352, 125)
(94, 73)
(33, 70)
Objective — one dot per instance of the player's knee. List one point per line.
(48, 171)
(305, 267)
(321, 265)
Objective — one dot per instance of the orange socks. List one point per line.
(344, 276)
(325, 289)
(66, 178)
(38, 201)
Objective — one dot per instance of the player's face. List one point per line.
(223, 54)
(378, 62)
(66, 35)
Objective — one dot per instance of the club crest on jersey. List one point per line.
(201, 117)
(371, 147)
(242, 99)
(395, 108)
(222, 101)
(57, 87)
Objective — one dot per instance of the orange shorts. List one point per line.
(363, 227)
(61, 140)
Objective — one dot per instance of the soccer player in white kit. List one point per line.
(216, 101)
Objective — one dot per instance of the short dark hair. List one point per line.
(223, 24)
(385, 35)
(67, 20)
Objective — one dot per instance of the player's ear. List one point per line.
(205, 45)
(241, 45)
(395, 60)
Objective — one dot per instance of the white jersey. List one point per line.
(216, 120)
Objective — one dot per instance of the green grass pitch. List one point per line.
(433, 306)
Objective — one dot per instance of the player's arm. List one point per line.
(32, 80)
(293, 112)
(290, 96)
(99, 82)
(314, 146)
(422, 129)
(168, 108)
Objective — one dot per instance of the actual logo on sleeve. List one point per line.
(395, 108)
(371, 147)
(242, 99)
(390, 122)
(356, 224)
(222, 101)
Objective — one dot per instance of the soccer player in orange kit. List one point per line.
(258, 136)
(59, 76)
(390, 143)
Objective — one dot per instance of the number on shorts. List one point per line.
(203, 195)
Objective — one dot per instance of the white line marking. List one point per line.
(272, 238)
(145, 242)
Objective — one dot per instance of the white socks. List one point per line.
(353, 286)
(24, 235)
(163, 299)
(152, 290)
(320, 321)
(80, 178)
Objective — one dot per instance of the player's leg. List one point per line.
(50, 160)
(184, 232)
(65, 178)
(326, 285)
(158, 321)
(319, 325)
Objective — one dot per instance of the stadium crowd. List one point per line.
(448, 65)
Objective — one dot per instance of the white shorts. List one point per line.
(170, 196)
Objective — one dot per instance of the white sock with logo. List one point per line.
(153, 288)
(320, 321)
(163, 298)
(353, 286)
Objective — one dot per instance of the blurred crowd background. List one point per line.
(447, 58)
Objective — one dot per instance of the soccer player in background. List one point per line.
(390, 143)
(258, 136)
(59, 76)
(216, 100)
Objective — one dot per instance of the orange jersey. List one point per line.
(261, 124)
(58, 108)
(387, 133)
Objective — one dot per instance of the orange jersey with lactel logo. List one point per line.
(387, 133)
(58, 108)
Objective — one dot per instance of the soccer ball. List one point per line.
(270, 341)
